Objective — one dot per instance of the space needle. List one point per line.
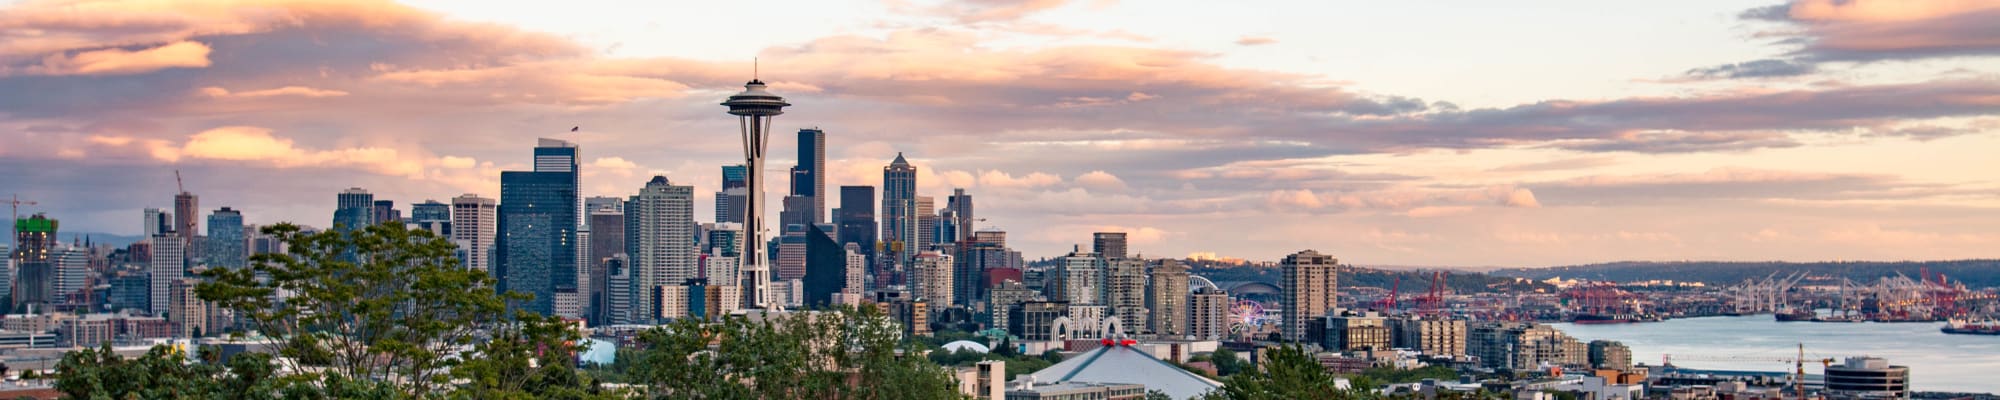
(754, 108)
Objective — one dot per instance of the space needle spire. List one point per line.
(754, 109)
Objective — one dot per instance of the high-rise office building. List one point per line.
(34, 258)
(227, 245)
(926, 224)
(1208, 314)
(1308, 288)
(899, 210)
(187, 214)
(1866, 378)
(960, 205)
(1356, 331)
(72, 272)
(932, 278)
(984, 252)
(731, 201)
(797, 211)
(1110, 245)
(157, 222)
(618, 298)
(1167, 298)
(474, 221)
(725, 239)
(659, 241)
(354, 209)
(607, 238)
(432, 216)
(595, 204)
(826, 266)
(385, 211)
(789, 261)
(535, 250)
(1125, 292)
(854, 283)
(809, 176)
(164, 266)
(855, 219)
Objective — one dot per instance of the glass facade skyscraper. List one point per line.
(537, 240)
(227, 247)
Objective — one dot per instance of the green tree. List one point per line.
(381, 309)
(846, 353)
(1288, 373)
(1226, 363)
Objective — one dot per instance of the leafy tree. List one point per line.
(847, 353)
(164, 373)
(1226, 362)
(1288, 373)
(1158, 395)
(378, 306)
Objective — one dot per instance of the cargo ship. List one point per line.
(1600, 319)
(1791, 314)
(1958, 326)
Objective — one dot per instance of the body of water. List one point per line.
(1937, 361)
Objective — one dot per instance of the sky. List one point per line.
(1448, 133)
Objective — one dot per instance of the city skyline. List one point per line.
(1814, 130)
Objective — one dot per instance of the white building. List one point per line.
(472, 225)
(660, 220)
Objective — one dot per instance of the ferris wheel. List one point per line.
(1248, 313)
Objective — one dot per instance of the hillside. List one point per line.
(1413, 281)
(1974, 273)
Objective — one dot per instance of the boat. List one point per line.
(1795, 314)
(1984, 326)
(1601, 319)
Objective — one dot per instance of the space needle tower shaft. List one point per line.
(754, 109)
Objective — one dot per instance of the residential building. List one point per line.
(1125, 293)
(1308, 288)
(1167, 299)
(1434, 336)
(1608, 354)
(1078, 278)
(1357, 331)
(1208, 314)
(932, 272)
(187, 214)
(1524, 346)
(660, 242)
(1110, 245)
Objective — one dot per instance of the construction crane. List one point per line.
(191, 225)
(1799, 363)
(15, 203)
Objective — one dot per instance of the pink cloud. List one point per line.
(124, 62)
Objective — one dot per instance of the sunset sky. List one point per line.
(1464, 133)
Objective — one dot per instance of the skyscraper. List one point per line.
(385, 211)
(473, 220)
(165, 266)
(72, 272)
(855, 281)
(34, 257)
(730, 201)
(826, 266)
(809, 176)
(536, 246)
(899, 209)
(1308, 290)
(354, 209)
(791, 254)
(926, 224)
(187, 213)
(1167, 298)
(227, 247)
(1078, 279)
(1110, 245)
(659, 241)
(607, 238)
(855, 219)
(432, 216)
(157, 222)
(985, 253)
(960, 205)
(725, 239)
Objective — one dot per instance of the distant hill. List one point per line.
(1974, 273)
(1414, 282)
